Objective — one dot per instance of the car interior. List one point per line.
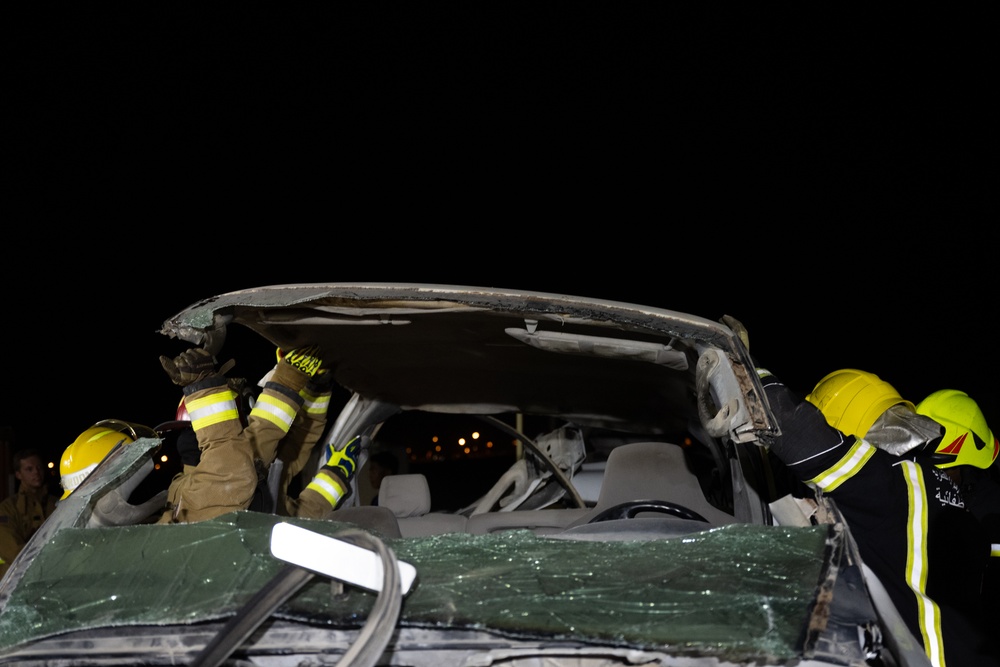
(569, 481)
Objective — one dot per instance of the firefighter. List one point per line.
(968, 453)
(287, 418)
(857, 440)
(24, 512)
(80, 458)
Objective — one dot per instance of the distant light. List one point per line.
(434, 438)
(475, 435)
(51, 465)
(466, 450)
(461, 441)
(163, 458)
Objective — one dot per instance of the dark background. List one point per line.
(827, 178)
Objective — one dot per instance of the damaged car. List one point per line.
(615, 506)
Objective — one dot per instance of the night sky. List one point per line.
(823, 180)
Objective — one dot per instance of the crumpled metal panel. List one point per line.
(739, 592)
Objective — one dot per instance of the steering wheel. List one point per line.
(629, 509)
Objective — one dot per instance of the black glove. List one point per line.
(189, 366)
(320, 383)
(187, 447)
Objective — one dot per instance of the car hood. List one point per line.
(430, 347)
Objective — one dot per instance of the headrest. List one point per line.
(405, 495)
(655, 471)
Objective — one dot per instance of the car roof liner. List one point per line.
(432, 347)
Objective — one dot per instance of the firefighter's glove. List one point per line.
(333, 481)
(189, 366)
(306, 359)
(344, 462)
(320, 383)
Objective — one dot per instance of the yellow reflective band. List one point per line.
(327, 486)
(995, 550)
(275, 410)
(845, 468)
(916, 562)
(212, 409)
(315, 405)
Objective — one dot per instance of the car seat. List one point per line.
(409, 499)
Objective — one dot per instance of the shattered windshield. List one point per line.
(740, 591)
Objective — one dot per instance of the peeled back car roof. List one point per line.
(431, 346)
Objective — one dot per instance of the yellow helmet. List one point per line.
(90, 448)
(961, 418)
(851, 400)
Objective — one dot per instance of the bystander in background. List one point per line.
(24, 512)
